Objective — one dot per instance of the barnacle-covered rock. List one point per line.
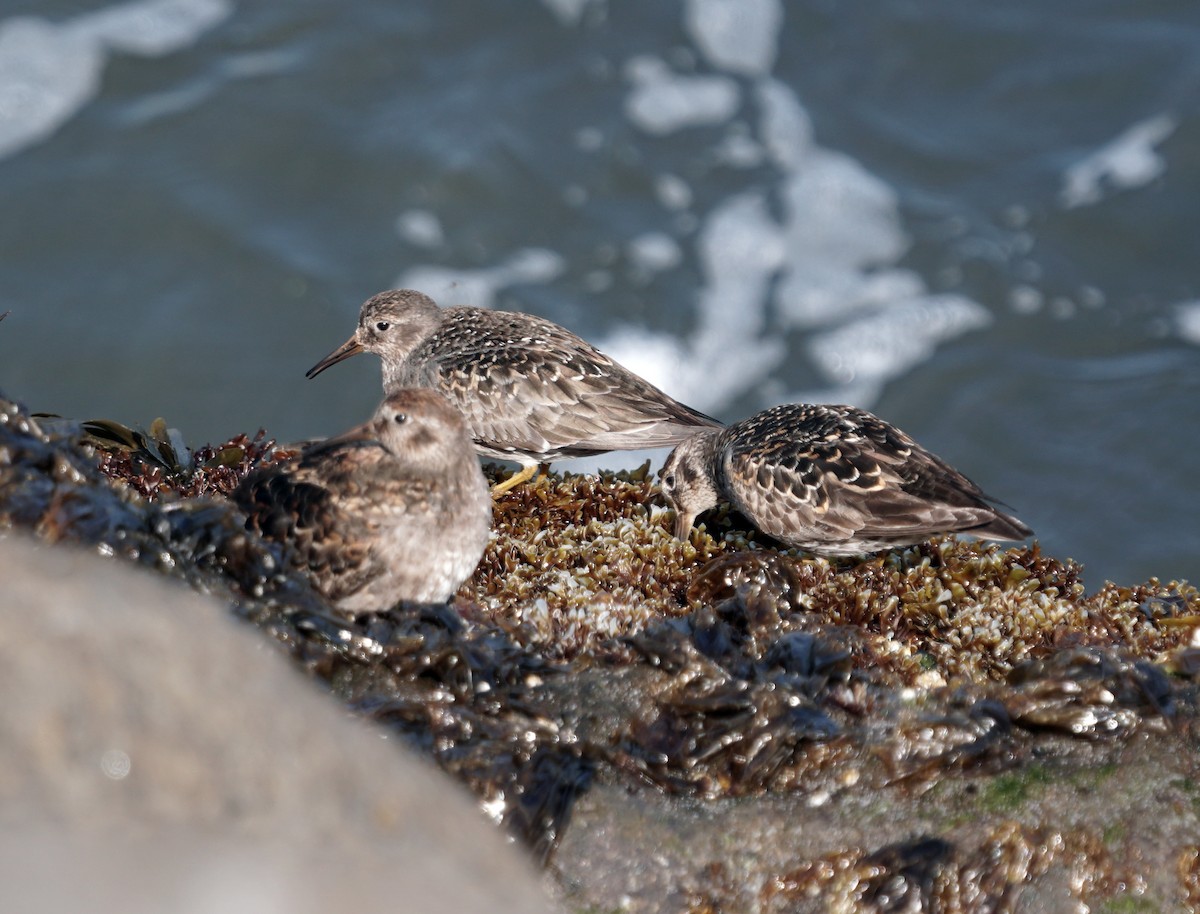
(717, 723)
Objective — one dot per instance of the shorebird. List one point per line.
(530, 390)
(833, 480)
(395, 509)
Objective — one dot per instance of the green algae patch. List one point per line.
(1007, 793)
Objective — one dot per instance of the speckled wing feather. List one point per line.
(820, 476)
(321, 515)
(528, 386)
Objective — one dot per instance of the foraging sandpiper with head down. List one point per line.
(530, 390)
(395, 509)
(832, 480)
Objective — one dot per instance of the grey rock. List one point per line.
(155, 755)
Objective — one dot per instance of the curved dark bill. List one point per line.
(344, 351)
(683, 525)
(360, 435)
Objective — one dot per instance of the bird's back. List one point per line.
(527, 386)
(315, 507)
(840, 480)
(368, 528)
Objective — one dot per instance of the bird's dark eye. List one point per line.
(669, 480)
(382, 326)
(400, 418)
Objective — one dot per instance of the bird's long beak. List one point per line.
(344, 351)
(683, 524)
(360, 435)
(364, 432)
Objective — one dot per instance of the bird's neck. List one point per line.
(398, 373)
(715, 477)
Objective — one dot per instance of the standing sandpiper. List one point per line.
(530, 390)
(396, 509)
(833, 480)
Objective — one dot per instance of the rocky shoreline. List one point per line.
(719, 725)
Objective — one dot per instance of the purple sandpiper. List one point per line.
(530, 390)
(832, 480)
(395, 509)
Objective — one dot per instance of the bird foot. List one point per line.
(526, 472)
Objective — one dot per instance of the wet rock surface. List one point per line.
(719, 725)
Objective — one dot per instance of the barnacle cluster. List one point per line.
(578, 560)
(932, 875)
(592, 650)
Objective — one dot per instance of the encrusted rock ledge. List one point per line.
(718, 725)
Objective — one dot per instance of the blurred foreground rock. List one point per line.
(158, 755)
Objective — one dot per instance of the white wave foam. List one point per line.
(1126, 162)
(46, 75)
(739, 249)
(1187, 321)
(841, 224)
(738, 36)
(654, 252)
(568, 12)
(817, 296)
(662, 101)
(478, 288)
(814, 276)
(673, 192)
(152, 28)
(837, 213)
(869, 321)
(420, 227)
(830, 257)
(737, 150)
(864, 354)
(163, 104)
(740, 241)
(840, 217)
(784, 125)
(48, 71)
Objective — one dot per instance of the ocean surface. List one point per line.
(980, 221)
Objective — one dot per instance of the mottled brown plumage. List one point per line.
(531, 391)
(396, 509)
(833, 480)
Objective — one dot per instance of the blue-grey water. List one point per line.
(978, 220)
